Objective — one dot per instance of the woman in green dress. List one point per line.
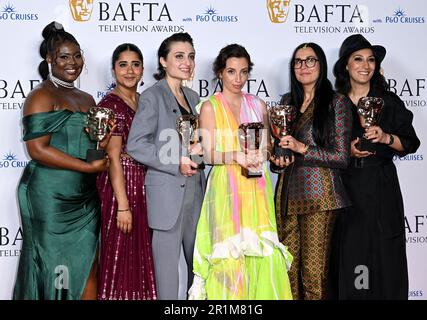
(57, 194)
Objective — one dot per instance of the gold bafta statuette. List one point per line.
(369, 108)
(282, 122)
(97, 126)
(187, 126)
(250, 136)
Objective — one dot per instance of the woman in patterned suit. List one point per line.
(309, 193)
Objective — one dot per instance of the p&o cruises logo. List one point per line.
(11, 161)
(10, 13)
(102, 93)
(400, 16)
(212, 15)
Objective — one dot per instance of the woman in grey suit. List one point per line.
(174, 185)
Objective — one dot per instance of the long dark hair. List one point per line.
(54, 35)
(342, 77)
(323, 114)
(164, 50)
(230, 51)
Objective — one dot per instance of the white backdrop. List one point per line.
(398, 25)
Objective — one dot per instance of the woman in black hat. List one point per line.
(310, 192)
(371, 254)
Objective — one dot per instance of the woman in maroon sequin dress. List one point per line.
(126, 263)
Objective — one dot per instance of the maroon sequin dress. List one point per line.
(126, 265)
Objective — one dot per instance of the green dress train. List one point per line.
(60, 213)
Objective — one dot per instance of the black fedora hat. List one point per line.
(357, 42)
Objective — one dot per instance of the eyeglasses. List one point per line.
(310, 62)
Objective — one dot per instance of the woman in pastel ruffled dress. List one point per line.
(237, 254)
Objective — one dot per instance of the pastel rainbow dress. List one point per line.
(237, 252)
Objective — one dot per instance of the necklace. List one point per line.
(131, 103)
(57, 82)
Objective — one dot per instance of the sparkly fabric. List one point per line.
(126, 263)
(237, 253)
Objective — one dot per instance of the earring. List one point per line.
(49, 68)
(188, 83)
(346, 68)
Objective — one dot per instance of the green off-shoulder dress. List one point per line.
(60, 213)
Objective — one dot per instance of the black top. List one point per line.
(183, 110)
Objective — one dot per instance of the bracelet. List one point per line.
(123, 210)
(305, 149)
(391, 139)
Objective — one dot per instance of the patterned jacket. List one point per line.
(313, 183)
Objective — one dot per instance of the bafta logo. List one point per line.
(278, 10)
(81, 9)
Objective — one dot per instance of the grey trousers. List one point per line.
(167, 243)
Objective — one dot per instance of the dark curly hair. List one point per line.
(230, 51)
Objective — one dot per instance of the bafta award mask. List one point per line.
(98, 122)
(187, 126)
(81, 9)
(98, 127)
(250, 137)
(370, 109)
(282, 120)
(278, 10)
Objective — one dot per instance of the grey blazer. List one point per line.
(154, 141)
